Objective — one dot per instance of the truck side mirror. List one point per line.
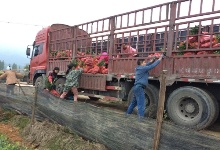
(28, 51)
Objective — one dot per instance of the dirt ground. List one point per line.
(11, 132)
(43, 135)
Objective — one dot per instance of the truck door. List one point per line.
(37, 50)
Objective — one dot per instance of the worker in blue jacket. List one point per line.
(141, 81)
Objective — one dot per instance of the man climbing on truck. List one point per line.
(141, 81)
(72, 81)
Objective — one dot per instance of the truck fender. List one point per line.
(38, 73)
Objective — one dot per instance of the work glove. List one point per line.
(164, 53)
(162, 56)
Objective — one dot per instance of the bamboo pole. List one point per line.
(34, 106)
(160, 110)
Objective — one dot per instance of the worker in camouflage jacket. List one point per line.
(72, 81)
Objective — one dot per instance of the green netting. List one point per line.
(106, 126)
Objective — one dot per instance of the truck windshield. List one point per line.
(37, 49)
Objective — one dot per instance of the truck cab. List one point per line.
(38, 60)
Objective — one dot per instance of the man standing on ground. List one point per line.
(11, 80)
(141, 81)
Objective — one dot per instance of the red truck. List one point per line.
(190, 39)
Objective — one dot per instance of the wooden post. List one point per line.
(112, 31)
(171, 28)
(160, 110)
(111, 49)
(34, 105)
(74, 51)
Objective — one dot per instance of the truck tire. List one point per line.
(152, 109)
(39, 82)
(192, 107)
(216, 106)
(151, 96)
(60, 85)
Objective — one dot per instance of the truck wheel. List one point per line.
(192, 107)
(151, 96)
(216, 104)
(60, 85)
(39, 82)
(152, 109)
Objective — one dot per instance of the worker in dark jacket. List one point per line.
(141, 81)
(53, 75)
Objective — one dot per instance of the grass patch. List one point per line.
(20, 121)
(69, 142)
(42, 135)
(5, 144)
(6, 115)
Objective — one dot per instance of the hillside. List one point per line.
(11, 56)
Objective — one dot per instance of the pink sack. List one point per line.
(104, 56)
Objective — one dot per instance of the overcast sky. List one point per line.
(47, 12)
